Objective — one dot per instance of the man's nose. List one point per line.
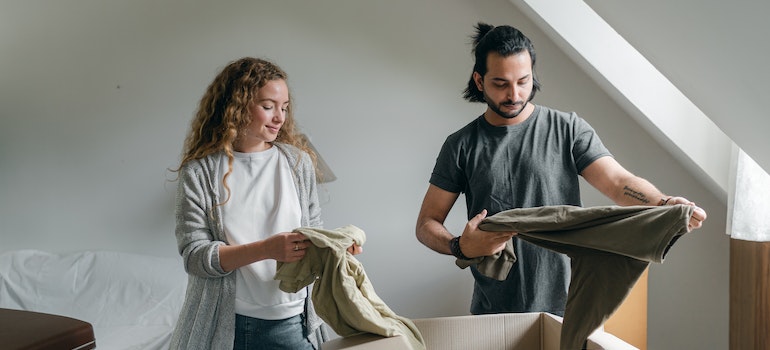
(513, 92)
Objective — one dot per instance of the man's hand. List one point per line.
(475, 242)
(698, 214)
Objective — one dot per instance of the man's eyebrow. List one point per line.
(500, 79)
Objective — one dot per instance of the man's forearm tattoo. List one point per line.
(627, 191)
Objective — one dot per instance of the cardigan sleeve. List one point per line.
(194, 224)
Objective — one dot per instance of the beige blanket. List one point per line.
(342, 294)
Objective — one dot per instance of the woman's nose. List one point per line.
(280, 114)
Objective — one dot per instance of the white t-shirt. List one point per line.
(263, 202)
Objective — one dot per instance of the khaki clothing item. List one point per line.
(609, 248)
(342, 294)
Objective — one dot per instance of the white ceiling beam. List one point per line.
(640, 89)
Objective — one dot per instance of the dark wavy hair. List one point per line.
(506, 41)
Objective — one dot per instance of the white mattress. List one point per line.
(132, 301)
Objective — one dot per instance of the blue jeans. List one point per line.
(256, 334)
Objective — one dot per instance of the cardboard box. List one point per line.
(520, 331)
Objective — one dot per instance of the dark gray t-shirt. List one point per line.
(535, 163)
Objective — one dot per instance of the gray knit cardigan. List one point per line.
(207, 319)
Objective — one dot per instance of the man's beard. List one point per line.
(496, 107)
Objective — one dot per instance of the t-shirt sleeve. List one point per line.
(587, 147)
(448, 173)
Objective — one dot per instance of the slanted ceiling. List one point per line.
(711, 53)
(715, 52)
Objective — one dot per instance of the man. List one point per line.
(517, 155)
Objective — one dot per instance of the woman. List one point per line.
(246, 180)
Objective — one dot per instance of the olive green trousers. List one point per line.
(609, 248)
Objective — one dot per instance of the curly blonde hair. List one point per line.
(223, 113)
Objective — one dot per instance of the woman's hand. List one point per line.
(292, 246)
(355, 249)
(286, 246)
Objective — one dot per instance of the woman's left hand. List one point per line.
(355, 249)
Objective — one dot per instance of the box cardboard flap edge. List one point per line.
(512, 331)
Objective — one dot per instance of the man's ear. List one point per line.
(479, 80)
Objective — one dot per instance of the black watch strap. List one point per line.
(454, 247)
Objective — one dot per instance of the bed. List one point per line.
(132, 301)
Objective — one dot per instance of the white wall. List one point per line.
(96, 97)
